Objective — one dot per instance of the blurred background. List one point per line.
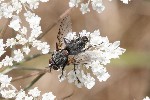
(130, 24)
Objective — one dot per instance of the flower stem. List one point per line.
(34, 81)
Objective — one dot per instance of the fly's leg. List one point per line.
(76, 73)
(62, 72)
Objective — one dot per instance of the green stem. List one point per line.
(33, 82)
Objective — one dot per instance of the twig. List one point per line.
(28, 68)
(34, 81)
(29, 75)
(67, 96)
(51, 26)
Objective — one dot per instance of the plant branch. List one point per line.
(34, 81)
(29, 75)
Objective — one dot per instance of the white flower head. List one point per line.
(21, 94)
(84, 33)
(7, 61)
(5, 80)
(10, 42)
(89, 81)
(34, 92)
(15, 23)
(71, 36)
(28, 97)
(48, 96)
(74, 3)
(98, 5)
(97, 53)
(18, 55)
(8, 93)
(84, 8)
(71, 76)
(26, 50)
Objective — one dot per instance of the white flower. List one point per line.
(18, 56)
(8, 93)
(146, 98)
(26, 50)
(10, 42)
(70, 36)
(84, 33)
(103, 76)
(89, 81)
(24, 31)
(21, 94)
(7, 61)
(84, 8)
(98, 5)
(28, 98)
(48, 96)
(7, 10)
(73, 3)
(15, 23)
(71, 76)
(34, 92)
(5, 80)
(46, 48)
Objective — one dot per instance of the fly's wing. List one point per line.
(65, 26)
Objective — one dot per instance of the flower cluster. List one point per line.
(96, 5)
(96, 55)
(7, 90)
(24, 38)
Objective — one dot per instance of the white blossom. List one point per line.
(28, 98)
(98, 5)
(73, 3)
(7, 61)
(84, 8)
(10, 42)
(48, 96)
(89, 81)
(15, 23)
(84, 33)
(70, 36)
(26, 50)
(71, 76)
(8, 93)
(18, 55)
(21, 94)
(5, 80)
(34, 92)
(24, 31)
